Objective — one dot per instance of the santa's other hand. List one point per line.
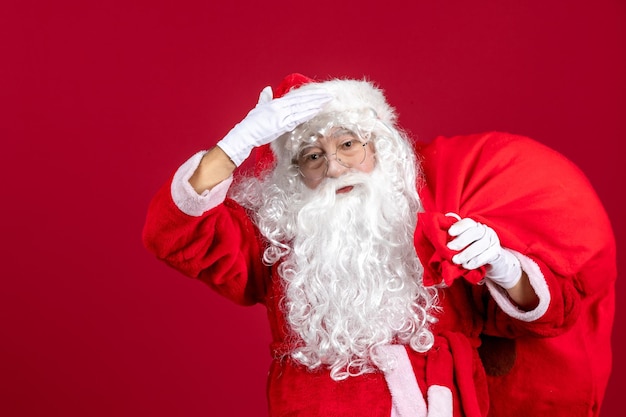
(479, 245)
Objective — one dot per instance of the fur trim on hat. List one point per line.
(355, 95)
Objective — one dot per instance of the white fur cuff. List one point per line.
(187, 199)
(537, 282)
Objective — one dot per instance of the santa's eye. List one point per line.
(310, 157)
(346, 145)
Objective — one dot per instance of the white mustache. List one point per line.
(349, 179)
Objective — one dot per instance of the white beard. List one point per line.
(352, 279)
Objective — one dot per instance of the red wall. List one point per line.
(101, 101)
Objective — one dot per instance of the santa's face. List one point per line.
(333, 156)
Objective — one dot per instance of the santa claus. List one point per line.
(371, 263)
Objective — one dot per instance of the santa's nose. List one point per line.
(335, 169)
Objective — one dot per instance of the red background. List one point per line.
(101, 101)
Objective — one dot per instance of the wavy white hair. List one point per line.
(352, 279)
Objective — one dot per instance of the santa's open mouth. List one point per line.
(345, 189)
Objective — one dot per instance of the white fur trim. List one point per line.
(354, 95)
(537, 282)
(407, 399)
(187, 199)
(439, 401)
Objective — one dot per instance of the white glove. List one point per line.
(270, 119)
(479, 245)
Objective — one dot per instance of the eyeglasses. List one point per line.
(313, 163)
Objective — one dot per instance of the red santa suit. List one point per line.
(553, 360)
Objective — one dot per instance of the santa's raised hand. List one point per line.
(270, 119)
